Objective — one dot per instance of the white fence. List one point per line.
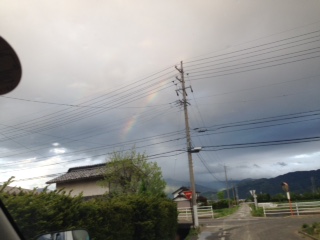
(203, 211)
(297, 209)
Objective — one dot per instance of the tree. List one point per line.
(264, 197)
(220, 195)
(131, 173)
(278, 197)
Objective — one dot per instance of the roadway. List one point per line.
(242, 226)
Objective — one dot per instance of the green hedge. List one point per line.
(312, 230)
(220, 204)
(135, 217)
(256, 211)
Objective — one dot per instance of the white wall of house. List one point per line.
(183, 203)
(89, 188)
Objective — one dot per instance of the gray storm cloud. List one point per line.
(97, 77)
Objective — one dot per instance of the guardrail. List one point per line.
(203, 211)
(298, 208)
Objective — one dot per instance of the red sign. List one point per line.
(188, 194)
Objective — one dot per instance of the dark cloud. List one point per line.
(90, 57)
(282, 164)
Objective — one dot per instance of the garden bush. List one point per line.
(123, 217)
(220, 204)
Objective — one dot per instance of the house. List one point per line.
(82, 179)
(177, 192)
(182, 197)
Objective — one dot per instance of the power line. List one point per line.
(153, 156)
(302, 35)
(207, 167)
(255, 61)
(64, 112)
(303, 26)
(273, 125)
(73, 105)
(91, 130)
(163, 112)
(199, 154)
(58, 174)
(73, 119)
(249, 48)
(141, 140)
(263, 86)
(262, 144)
(267, 119)
(253, 123)
(111, 92)
(252, 56)
(238, 68)
(259, 68)
(86, 151)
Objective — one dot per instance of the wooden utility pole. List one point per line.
(227, 185)
(185, 103)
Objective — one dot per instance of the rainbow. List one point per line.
(133, 120)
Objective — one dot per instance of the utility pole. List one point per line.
(234, 193)
(313, 185)
(185, 103)
(225, 173)
(237, 195)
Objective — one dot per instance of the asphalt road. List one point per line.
(241, 226)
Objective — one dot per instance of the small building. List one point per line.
(179, 191)
(82, 179)
(181, 197)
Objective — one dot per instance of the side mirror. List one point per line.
(10, 68)
(78, 234)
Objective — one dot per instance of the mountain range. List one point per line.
(299, 182)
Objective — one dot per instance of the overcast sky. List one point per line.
(99, 76)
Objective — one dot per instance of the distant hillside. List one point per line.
(206, 189)
(299, 182)
(173, 185)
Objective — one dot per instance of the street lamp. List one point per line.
(195, 149)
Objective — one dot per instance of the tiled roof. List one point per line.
(181, 190)
(80, 173)
(180, 196)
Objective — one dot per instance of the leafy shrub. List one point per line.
(193, 233)
(220, 204)
(124, 217)
(257, 212)
(305, 225)
(312, 230)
